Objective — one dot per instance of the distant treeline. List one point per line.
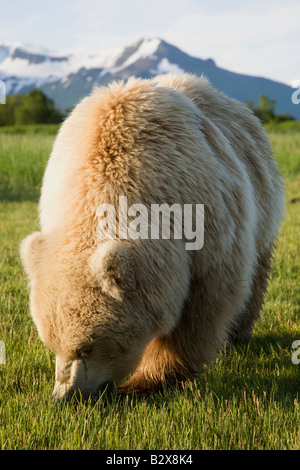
(36, 108)
(32, 108)
(265, 111)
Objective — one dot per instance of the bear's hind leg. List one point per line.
(243, 326)
(160, 366)
(181, 355)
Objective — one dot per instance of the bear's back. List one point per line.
(169, 140)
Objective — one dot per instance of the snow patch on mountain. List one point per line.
(18, 60)
(146, 48)
(165, 66)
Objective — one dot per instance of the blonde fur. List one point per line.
(149, 307)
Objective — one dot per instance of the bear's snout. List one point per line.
(76, 379)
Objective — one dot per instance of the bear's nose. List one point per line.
(61, 393)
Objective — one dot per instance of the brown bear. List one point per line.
(151, 309)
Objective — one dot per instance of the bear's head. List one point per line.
(99, 308)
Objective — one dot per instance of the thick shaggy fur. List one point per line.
(150, 307)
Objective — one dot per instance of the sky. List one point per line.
(257, 37)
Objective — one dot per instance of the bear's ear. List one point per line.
(112, 268)
(30, 250)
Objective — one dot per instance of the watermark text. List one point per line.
(161, 221)
(2, 353)
(296, 93)
(296, 354)
(2, 92)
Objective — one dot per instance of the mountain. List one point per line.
(66, 78)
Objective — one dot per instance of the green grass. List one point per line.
(247, 399)
(23, 159)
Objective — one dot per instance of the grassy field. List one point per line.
(248, 399)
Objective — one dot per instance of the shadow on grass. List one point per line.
(262, 368)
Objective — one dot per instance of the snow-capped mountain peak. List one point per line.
(68, 77)
(24, 66)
